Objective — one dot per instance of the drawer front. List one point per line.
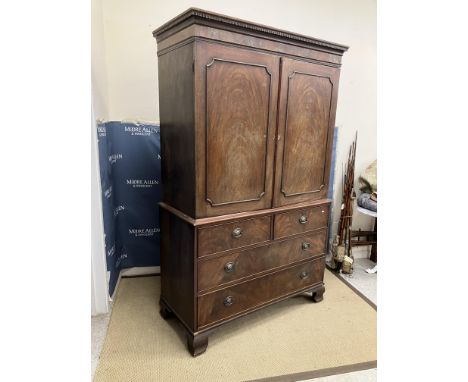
(234, 300)
(233, 235)
(300, 221)
(234, 266)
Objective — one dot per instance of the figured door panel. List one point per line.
(236, 97)
(305, 132)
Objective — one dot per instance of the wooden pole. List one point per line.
(346, 214)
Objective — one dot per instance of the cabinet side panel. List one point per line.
(176, 105)
(177, 266)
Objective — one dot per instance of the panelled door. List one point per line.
(306, 119)
(236, 94)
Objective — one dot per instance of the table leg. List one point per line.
(373, 256)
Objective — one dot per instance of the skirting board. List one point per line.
(140, 271)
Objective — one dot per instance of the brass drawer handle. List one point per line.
(305, 246)
(236, 233)
(303, 219)
(304, 275)
(229, 266)
(228, 301)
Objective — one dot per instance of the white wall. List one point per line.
(99, 69)
(99, 107)
(130, 60)
(99, 284)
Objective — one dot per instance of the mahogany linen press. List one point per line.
(247, 117)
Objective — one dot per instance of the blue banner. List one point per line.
(130, 169)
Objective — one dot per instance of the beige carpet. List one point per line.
(292, 336)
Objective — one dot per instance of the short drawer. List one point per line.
(234, 300)
(215, 272)
(233, 235)
(300, 221)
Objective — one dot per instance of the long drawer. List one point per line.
(300, 221)
(240, 298)
(234, 266)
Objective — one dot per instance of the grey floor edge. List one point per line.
(365, 282)
(356, 376)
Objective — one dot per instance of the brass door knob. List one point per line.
(303, 219)
(228, 301)
(236, 233)
(229, 266)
